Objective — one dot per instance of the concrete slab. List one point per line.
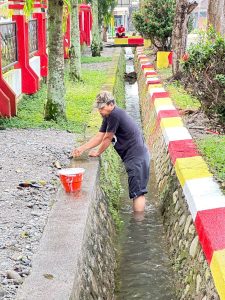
(176, 134)
(203, 194)
(165, 107)
(171, 122)
(55, 265)
(191, 168)
(156, 90)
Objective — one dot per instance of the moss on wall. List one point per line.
(110, 162)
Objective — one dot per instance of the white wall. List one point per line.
(36, 65)
(13, 78)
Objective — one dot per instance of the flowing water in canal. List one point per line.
(144, 271)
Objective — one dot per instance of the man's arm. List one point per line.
(107, 139)
(93, 142)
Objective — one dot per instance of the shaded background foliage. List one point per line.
(204, 73)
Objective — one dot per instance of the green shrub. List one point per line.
(204, 72)
(155, 21)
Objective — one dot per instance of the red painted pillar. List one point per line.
(30, 80)
(7, 96)
(41, 25)
(67, 38)
(85, 20)
(86, 25)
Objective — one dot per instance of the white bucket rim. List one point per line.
(71, 171)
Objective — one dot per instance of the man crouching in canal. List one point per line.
(119, 129)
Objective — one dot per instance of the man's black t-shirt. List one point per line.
(128, 140)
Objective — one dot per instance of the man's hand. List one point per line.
(77, 151)
(93, 153)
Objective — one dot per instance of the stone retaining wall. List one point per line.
(98, 253)
(188, 194)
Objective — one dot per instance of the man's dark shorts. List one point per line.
(138, 175)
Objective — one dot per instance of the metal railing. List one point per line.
(33, 38)
(8, 44)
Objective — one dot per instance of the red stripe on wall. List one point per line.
(181, 149)
(160, 95)
(210, 226)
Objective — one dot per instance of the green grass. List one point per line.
(97, 59)
(79, 105)
(181, 98)
(213, 149)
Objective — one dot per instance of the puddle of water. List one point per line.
(144, 271)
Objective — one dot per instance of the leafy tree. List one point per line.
(106, 8)
(216, 15)
(155, 21)
(184, 9)
(55, 105)
(75, 53)
(204, 72)
(102, 10)
(96, 39)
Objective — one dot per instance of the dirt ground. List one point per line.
(26, 155)
(199, 125)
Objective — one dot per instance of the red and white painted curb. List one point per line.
(205, 200)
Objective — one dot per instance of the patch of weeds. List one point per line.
(111, 184)
(182, 99)
(165, 73)
(97, 59)
(212, 148)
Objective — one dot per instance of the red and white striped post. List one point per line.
(7, 96)
(42, 44)
(30, 80)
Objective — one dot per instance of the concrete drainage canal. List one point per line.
(144, 270)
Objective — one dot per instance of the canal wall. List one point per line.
(191, 202)
(76, 257)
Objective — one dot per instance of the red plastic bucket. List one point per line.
(71, 179)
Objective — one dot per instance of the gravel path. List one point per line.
(26, 155)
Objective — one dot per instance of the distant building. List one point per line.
(123, 13)
(200, 15)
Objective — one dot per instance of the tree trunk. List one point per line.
(216, 15)
(96, 41)
(75, 53)
(104, 34)
(180, 31)
(55, 106)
